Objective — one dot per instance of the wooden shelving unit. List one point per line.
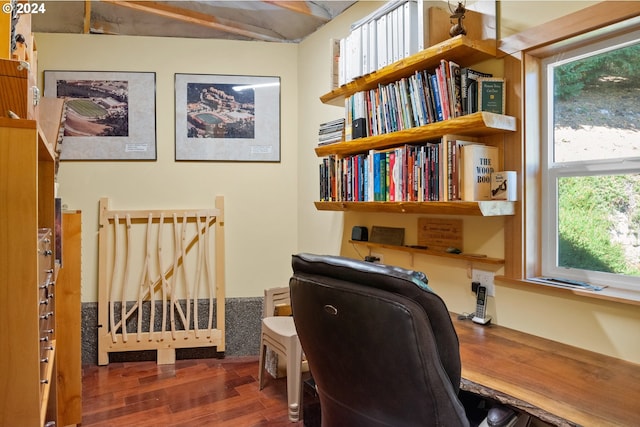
(431, 252)
(39, 380)
(26, 189)
(488, 127)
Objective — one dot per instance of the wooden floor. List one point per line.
(202, 392)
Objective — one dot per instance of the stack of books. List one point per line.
(331, 132)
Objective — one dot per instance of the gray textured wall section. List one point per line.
(242, 324)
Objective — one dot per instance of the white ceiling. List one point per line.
(279, 21)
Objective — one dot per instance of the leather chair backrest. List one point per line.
(380, 344)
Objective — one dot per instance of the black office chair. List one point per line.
(380, 345)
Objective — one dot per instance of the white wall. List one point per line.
(518, 15)
(319, 231)
(260, 198)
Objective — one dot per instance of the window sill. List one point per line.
(618, 295)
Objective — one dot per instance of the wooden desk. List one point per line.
(557, 383)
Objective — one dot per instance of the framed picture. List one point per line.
(227, 118)
(109, 115)
(491, 94)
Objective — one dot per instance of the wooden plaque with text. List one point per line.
(440, 233)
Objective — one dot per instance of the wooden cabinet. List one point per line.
(488, 127)
(27, 358)
(39, 380)
(40, 368)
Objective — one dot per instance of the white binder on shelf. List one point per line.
(382, 41)
(373, 46)
(410, 28)
(423, 23)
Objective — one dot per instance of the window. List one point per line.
(591, 163)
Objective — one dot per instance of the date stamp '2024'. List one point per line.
(24, 8)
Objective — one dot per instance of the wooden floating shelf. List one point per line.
(481, 208)
(476, 124)
(431, 252)
(459, 49)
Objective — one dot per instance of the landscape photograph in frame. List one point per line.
(109, 115)
(227, 118)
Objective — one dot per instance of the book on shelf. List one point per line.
(381, 41)
(427, 96)
(477, 163)
(455, 82)
(454, 145)
(356, 116)
(330, 139)
(392, 175)
(504, 185)
(411, 28)
(437, 98)
(491, 94)
(354, 54)
(442, 74)
(335, 45)
(469, 89)
(364, 33)
(417, 101)
(331, 132)
(372, 46)
(394, 41)
(342, 59)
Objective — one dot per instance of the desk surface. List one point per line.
(558, 383)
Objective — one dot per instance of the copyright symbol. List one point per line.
(7, 7)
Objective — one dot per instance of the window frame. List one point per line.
(551, 171)
(522, 54)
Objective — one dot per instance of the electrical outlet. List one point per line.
(378, 255)
(485, 278)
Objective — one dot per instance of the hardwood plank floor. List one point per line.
(197, 392)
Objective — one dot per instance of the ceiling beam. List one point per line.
(87, 17)
(302, 7)
(202, 19)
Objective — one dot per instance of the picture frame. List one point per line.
(227, 118)
(491, 94)
(109, 115)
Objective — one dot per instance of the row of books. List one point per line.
(393, 32)
(425, 97)
(331, 131)
(438, 170)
